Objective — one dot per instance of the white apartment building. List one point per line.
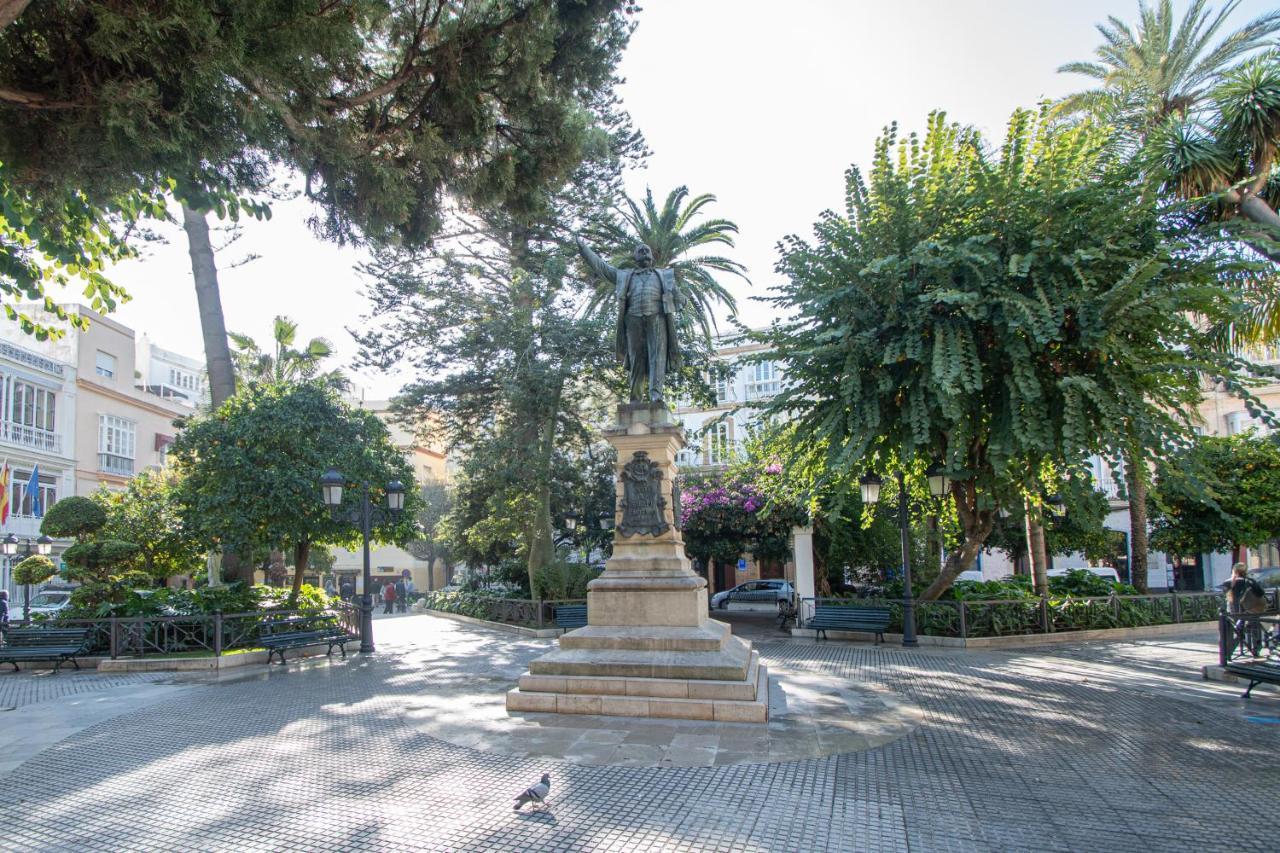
(170, 375)
(716, 434)
(37, 428)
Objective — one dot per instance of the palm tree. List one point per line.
(1204, 117)
(286, 364)
(673, 235)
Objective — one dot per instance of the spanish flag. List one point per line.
(5, 474)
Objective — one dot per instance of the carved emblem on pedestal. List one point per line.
(642, 499)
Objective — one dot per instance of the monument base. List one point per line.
(649, 648)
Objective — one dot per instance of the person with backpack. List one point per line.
(401, 596)
(389, 596)
(1246, 598)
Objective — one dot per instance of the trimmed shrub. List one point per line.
(33, 570)
(75, 517)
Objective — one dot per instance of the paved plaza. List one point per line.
(1099, 747)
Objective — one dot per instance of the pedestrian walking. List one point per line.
(348, 590)
(4, 612)
(1246, 598)
(402, 596)
(389, 596)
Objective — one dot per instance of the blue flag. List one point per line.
(33, 491)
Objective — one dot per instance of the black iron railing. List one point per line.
(1042, 615)
(195, 634)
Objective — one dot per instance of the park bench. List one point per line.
(570, 616)
(298, 631)
(1256, 671)
(870, 620)
(39, 644)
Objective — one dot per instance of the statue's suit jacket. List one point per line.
(671, 303)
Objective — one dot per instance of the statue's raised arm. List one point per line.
(599, 265)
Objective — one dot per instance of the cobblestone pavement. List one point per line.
(1105, 747)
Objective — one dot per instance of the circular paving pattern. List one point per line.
(811, 716)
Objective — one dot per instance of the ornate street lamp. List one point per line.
(1056, 505)
(365, 515)
(9, 547)
(870, 487)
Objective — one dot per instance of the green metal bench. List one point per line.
(40, 644)
(1257, 672)
(298, 631)
(570, 616)
(870, 620)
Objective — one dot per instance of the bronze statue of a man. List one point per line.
(648, 306)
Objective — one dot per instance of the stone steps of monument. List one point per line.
(727, 664)
(754, 710)
(711, 638)
(656, 688)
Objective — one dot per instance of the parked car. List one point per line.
(48, 602)
(753, 592)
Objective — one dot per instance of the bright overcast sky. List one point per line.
(764, 105)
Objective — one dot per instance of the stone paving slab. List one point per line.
(1106, 748)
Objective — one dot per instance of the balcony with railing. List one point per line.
(109, 463)
(762, 390)
(29, 436)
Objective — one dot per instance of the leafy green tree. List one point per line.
(385, 108)
(678, 237)
(998, 313)
(147, 513)
(430, 543)
(1220, 494)
(249, 471)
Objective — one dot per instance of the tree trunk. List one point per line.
(301, 553)
(541, 547)
(1036, 551)
(1136, 474)
(217, 350)
(976, 525)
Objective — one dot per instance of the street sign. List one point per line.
(742, 565)
(404, 573)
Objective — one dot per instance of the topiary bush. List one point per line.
(558, 581)
(35, 569)
(89, 560)
(75, 517)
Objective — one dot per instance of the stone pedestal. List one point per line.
(649, 648)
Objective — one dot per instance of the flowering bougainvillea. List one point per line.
(725, 514)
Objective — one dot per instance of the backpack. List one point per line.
(1254, 599)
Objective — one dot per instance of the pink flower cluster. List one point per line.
(735, 495)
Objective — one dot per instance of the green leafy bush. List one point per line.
(33, 570)
(75, 517)
(562, 580)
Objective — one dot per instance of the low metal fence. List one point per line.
(1042, 615)
(512, 611)
(213, 633)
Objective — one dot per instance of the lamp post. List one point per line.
(44, 547)
(365, 515)
(870, 487)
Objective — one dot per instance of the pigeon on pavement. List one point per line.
(537, 794)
